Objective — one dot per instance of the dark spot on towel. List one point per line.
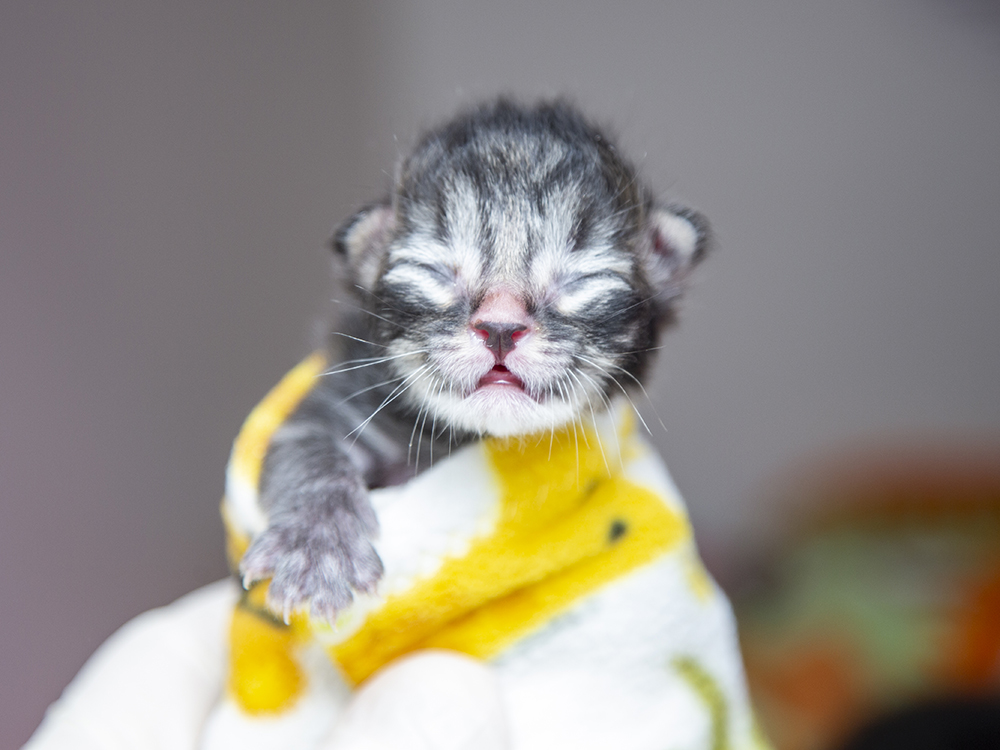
(617, 531)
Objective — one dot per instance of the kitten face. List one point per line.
(520, 273)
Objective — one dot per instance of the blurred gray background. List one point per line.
(169, 173)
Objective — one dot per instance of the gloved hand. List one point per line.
(152, 685)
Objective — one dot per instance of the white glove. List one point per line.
(152, 685)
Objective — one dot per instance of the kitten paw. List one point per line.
(313, 563)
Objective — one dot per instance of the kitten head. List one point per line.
(520, 273)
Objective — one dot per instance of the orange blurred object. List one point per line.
(885, 594)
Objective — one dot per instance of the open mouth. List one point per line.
(500, 375)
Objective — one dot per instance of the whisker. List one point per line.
(586, 440)
(451, 427)
(593, 419)
(552, 426)
(611, 410)
(671, 290)
(614, 380)
(645, 393)
(434, 427)
(384, 303)
(576, 437)
(393, 395)
(644, 351)
(355, 338)
(420, 437)
(359, 308)
(413, 433)
(358, 364)
(369, 388)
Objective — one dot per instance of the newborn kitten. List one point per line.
(515, 280)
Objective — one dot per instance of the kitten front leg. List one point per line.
(317, 548)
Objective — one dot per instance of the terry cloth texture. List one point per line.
(565, 559)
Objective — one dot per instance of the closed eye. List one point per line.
(580, 292)
(441, 274)
(594, 282)
(435, 283)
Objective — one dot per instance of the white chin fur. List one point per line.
(503, 411)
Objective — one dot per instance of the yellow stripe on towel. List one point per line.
(251, 444)
(566, 527)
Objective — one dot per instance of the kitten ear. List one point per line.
(362, 241)
(677, 240)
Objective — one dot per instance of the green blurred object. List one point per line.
(886, 594)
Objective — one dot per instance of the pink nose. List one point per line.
(499, 338)
(501, 321)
